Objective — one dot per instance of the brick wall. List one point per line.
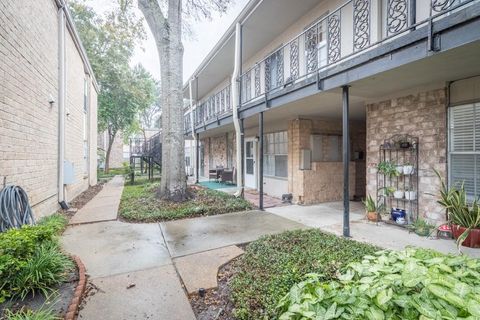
(422, 115)
(215, 149)
(324, 182)
(28, 122)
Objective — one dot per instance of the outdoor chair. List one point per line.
(215, 174)
(228, 176)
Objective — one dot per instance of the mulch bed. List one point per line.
(81, 200)
(216, 304)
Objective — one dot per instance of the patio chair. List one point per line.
(215, 173)
(228, 176)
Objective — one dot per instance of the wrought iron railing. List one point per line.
(213, 107)
(341, 34)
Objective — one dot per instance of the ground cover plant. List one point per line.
(273, 264)
(409, 284)
(31, 260)
(140, 203)
(44, 314)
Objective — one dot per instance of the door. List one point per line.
(250, 163)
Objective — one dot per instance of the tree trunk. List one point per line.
(167, 33)
(111, 139)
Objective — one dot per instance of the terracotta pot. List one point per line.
(473, 239)
(372, 216)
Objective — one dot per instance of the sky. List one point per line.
(205, 35)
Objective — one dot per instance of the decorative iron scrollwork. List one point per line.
(334, 37)
(442, 5)
(294, 68)
(222, 101)
(268, 75)
(397, 16)
(279, 55)
(227, 97)
(361, 24)
(258, 88)
(311, 40)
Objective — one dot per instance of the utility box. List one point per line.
(305, 159)
(68, 172)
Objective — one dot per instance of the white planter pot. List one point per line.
(400, 169)
(398, 194)
(410, 195)
(407, 170)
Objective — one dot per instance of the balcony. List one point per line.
(351, 29)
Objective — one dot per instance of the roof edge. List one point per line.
(246, 11)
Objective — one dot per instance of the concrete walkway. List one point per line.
(143, 271)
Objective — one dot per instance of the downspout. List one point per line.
(61, 103)
(194, 136)
(236, 107)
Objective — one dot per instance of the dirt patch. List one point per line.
(90, 290)
(81, 200)
(57, 301)
(216, 303)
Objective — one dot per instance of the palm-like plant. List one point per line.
(459, 210)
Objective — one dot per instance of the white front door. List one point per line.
(250, 163)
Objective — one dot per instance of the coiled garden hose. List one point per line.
(15, 209)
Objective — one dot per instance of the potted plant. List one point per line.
(407, 169)
(372, 209)
(410, 194)
(387, 191)
(399, 169)
(388, 168)
(398, 194)
(463, 215)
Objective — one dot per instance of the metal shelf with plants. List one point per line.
(397, 179)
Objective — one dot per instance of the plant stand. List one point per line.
(400, 150)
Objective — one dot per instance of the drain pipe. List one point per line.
(236, 107)
(192, 125)
(61, 102)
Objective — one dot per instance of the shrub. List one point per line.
(43, 314)
(410, 284)
(45, 269)
(273, 264)
(19, 246)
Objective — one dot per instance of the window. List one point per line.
(326, 148)
(464, 147)
(275, 155)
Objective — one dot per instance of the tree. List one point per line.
(110, 42)
(167, 31)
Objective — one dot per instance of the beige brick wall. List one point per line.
(324, 182)
(422, 115)
(215, 149)
(28, 122)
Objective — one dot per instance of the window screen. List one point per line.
(275, 159)
(464, 147)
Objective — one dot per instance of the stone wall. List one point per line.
(28, 122)
(215, 151)
(324, 182)
(422, 115)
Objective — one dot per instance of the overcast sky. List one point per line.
(206, 34)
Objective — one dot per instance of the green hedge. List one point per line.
(30, 258)
(273, 264)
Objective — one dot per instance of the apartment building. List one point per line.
(322, 93)
(48, 104)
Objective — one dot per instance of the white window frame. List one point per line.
(273, 155)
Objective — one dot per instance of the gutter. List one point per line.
(236, 106)
(192, 125)
(61, 103)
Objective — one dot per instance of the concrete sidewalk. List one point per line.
(128, 263)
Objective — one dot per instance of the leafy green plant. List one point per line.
(460, 211)
(370, 204)
(409, 284)
(272, 264)
(388, 168)
(43, 314)
(422, 227)
(47, 268)
(19, 248)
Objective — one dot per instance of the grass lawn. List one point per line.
(273, 264)
(101, 175)
(140, 204)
